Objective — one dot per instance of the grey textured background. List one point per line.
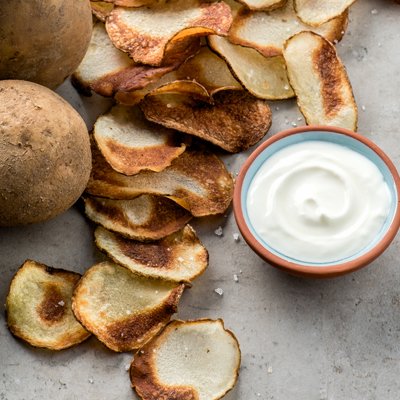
(300, 339)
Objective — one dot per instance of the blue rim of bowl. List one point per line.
(340, 136)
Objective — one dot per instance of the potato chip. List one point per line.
(145, 32)
(200, 76)
(320, 81)
(38, 307)
(101, 9)
(121, 309)
(263, 77)
(179, 257)
(235, 121)
(188, 360)
(265, 5)
(106, 70)
(318, 12)
(267, 32)
(130, 143)
(143, 218)
(197, 180)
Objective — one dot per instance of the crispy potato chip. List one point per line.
(130, 3)
(318, 12)
(200, 76)
(197, 180)
(143, 218)
(179, 257)
(38, 307)
(121, 309)
(267, 32)
(265, 5)
(188, 360)
(145, 32)
(101, 9)
(130, 143)
(235, 121)
(263, 77)
(106, 70)
(320, 81)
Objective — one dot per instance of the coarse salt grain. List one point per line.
(219, 291)
(218, 231)
(374, 11)
(236, 236)
(235, 277)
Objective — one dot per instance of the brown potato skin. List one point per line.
(45, 157)
(43, 41)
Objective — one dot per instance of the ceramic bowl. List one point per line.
(340, 136)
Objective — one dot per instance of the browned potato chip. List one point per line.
(317, 12)
(263, 77)
(101, 9)
(130, 3)
(179, 257)
(235, 121)
(106, 70)
(121, 309)
(188, 360)
(130, 143)
(265, 5)
(143, 218)
(200, 76)
(320, 81)
(267, 32)
(38, 307)
(197, 180)
(145, 32)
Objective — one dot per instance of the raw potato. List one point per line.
(43, 41)
(45, 157)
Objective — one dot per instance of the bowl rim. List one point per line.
(308, 271)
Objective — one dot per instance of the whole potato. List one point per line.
(43, 41)
(45, 157)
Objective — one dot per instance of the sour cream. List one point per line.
(318, 202)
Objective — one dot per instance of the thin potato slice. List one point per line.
(130, 143)
(268, 32)
(144, 218)
(145, 32)
(130, 3)
(200, 76)
(235, 121)
(197, 180)
(320, 81)
(101, 9)
(188, 360)
(121, 309)
(38, 307)
(106, 70)
(265, 5)
(263, 77)
(318, 12)
(179, 257)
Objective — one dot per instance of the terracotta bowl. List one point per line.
(340, 136)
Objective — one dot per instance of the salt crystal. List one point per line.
(363, 107)
(169, 105)
(336, 41)
(294, 124)
(379, 44)
(235, 277)
(236, 236)
(91, 380)
(299, 119)
(180, 259)
(277, 108)
(142, 351)
(219, 291)
(61, 303)
(128, 311)
(127, 366)
(270, 370)
(374, 11)
(286, 121)
(156, 291)
(287, 87)
(218, 231)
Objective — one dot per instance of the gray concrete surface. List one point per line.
(301, 339)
